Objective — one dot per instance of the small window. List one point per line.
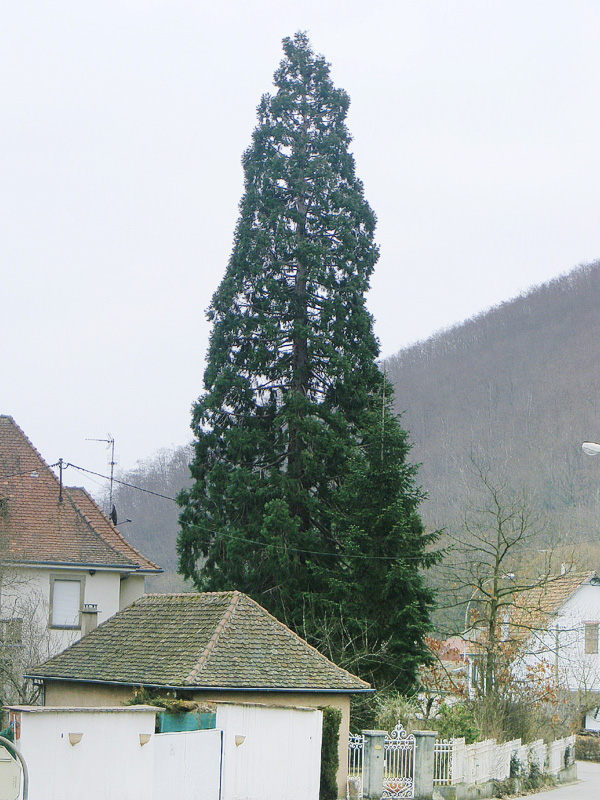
(591, 637)
(66, 603)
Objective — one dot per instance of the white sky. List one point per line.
(122, 123)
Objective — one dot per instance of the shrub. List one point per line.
(457, 721)
(587, 748)
(392, 708)
(330, 761)
(515, 766)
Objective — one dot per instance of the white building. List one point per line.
(563, 623)
(64, 566)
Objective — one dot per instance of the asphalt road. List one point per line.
(586, 788)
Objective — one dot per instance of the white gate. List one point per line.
(399, 764)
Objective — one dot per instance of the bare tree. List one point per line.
(500, 565)
(25, 639)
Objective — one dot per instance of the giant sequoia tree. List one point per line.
(302, 494)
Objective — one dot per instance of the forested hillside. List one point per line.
(516, 388)
(154, 518)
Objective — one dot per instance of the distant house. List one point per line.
(210, 646)
(563, 625)
(64, 565)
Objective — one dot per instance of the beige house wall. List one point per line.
(65, 693)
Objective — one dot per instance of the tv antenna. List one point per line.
(110, 441)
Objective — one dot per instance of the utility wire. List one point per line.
(123, 483)
(25, 472)
(252, 541)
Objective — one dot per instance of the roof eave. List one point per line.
(132, 568)
(188, 688)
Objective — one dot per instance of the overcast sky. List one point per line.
(476, 129)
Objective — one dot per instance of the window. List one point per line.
(591, 637)
(66, 600)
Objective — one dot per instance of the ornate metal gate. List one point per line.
(398, 767)
(399, 764)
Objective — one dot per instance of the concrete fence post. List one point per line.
(423, 769)
(373, 755)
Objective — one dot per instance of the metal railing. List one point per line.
(442, 762)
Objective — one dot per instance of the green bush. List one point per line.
(587, 748)
(457, 721)
(392, 708)
(521, 781)
(330, 761)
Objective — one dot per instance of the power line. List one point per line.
(123, 483)
(233, 537)
(26, 472)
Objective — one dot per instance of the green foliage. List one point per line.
(523, 780)
(8, 733)
(587, 748)
(332, 718)
(302, 496)
(457, 721)
(166, 701)
(391, 708)
(516, 768)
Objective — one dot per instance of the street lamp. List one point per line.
(591, 448)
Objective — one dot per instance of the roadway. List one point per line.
(587, 786)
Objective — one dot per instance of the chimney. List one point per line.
(89, 618)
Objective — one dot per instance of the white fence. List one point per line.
(356, 748)
(456, 762)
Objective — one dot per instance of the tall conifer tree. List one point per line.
(302, 495)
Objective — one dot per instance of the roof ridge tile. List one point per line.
(215, 637)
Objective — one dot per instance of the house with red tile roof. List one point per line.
(560, 626)
(64, 565)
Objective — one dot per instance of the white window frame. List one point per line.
(72, 578)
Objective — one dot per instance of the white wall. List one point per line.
(132, 588)
(575, 669)
(280, 756)
(268, 753)
(26, 592)
(109, 763)
(187, 766)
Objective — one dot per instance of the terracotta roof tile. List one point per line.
(532, 609)
(208, 640)
(36, 527)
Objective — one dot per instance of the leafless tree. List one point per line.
(500, 565)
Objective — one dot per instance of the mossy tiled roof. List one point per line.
(220, 640)
(37, 526)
